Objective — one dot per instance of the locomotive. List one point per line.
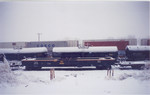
(100, 57)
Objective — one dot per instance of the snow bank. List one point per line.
(6, 75)
(144, 75)
(92, 82)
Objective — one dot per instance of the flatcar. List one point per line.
(101, 57)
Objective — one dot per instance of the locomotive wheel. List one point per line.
(28, 68)
(33, 68)
(100, 67)
(36, 68)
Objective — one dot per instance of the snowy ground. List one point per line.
(78, 82)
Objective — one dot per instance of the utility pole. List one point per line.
(39, 34)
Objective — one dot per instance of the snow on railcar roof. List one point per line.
(138, 48)
(23, 50)
(89, 49)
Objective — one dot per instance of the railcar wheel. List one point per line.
(32, 68)
(137, 67)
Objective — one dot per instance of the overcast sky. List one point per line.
(21, 21)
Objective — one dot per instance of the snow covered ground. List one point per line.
(77, 82)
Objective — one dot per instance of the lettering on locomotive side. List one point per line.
(61, 62)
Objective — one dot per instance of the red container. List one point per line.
(120, 44)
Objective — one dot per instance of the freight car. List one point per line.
(137, 53)
(19, 54)
(14, 56)
(137, 56)
(101, 57)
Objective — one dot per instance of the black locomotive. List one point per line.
(101, 57)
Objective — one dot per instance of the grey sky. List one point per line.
(21, 21)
